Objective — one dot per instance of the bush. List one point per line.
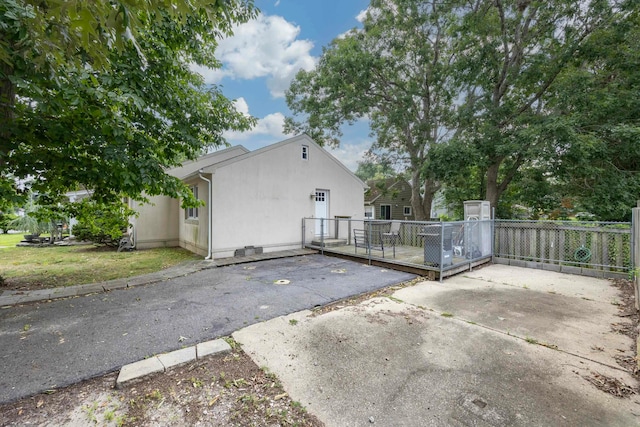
(102, 224)
(5, 219)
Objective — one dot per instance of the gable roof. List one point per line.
(379, 188)
(296, 139)
(191, 167)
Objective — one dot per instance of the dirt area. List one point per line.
(222, 390)
(629, 325)
(226, 390)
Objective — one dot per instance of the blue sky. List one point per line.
(263, 55)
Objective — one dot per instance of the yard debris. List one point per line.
(384, 292)
(170, 399)
(610, 385)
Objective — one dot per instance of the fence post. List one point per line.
(441, 249)
(322, 236)
(369, 236)
(635, 253)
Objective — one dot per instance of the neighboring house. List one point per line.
(257, 199)
(76, 196)
(388, 198)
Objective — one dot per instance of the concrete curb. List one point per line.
(134, 372)
(11, 298)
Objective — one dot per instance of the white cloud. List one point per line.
(264, 47)
(362, 15)
(242, 106)
(350, 153)
(210, 75)
(270, 125)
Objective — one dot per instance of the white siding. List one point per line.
(260, 200)
(157, 224)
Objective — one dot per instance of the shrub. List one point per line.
(101, 223)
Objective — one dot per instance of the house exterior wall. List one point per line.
(162, 221)
(193, 232)
(260, 200)
(397, 197)
(156, 224)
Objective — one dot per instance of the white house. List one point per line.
(253, 198)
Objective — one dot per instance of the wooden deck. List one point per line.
(407, 258)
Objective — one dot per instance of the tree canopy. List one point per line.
(99, 94)
(514, 101)
(395, 71)
(598, 99)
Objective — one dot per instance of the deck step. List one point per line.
(329, 243)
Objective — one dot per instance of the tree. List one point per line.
(512, 52)
(99, 94)
(597, 99)
(375, 169)
(395, 71)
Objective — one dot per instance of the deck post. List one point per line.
(322, 236)
(369, 235)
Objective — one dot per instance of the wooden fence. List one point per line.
(600, 246)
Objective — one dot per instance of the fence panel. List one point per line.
(601, 246)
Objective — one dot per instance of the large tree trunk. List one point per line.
(416, 198)
(421, 203)
(493, 188)
(7, 100)
(430, 189)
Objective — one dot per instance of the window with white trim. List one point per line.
(192, 213)
(368, 212)
(305, 152)
(407, 211)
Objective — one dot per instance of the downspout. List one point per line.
(209, 216)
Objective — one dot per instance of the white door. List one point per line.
(322, 211)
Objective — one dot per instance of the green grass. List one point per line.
(10, 239)
(60, 266)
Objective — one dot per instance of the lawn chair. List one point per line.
(369, 240)
(393, 235)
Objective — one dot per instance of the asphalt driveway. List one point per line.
(53, 344)
(501, 346)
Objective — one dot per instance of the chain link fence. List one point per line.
(433, 245)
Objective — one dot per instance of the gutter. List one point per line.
(209, 215)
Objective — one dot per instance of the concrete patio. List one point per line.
(497, 346)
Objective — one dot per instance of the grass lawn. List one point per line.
(10, 239)
(57, 266)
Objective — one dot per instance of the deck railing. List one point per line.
(432, 245)
(591, 248)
